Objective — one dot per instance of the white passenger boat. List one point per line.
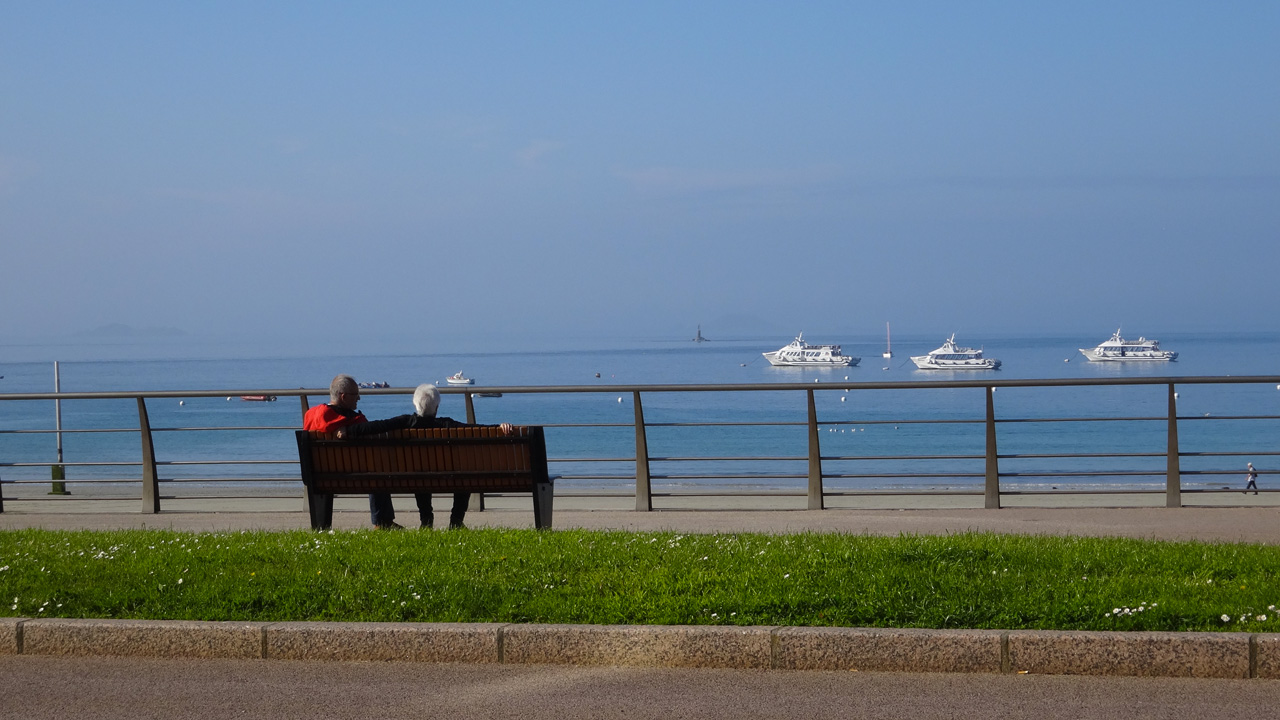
(801, 353)
(459, 379)
(953, 357)
(1117, 349)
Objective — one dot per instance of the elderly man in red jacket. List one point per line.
(344, 395)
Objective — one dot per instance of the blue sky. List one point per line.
(498, 171)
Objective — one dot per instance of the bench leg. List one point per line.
(321, 511)
(543, 494)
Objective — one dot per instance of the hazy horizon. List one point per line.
(99, 348)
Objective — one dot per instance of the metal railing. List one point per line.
(818, 475)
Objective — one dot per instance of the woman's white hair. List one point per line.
(426, 398)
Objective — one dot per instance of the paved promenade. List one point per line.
(1258, 523)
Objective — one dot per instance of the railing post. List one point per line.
(306, 491)
(476, 503)
(644, 496)
(816, 496)
(1173, 473)
(150, 478)
(58, 472)
(993, 459)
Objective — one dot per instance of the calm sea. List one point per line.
(864, 423)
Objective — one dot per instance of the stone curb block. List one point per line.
(668, 646)
(1267, 654)
(888, 649)
(11, 635)
(1153, 654)
(153, 638)
(407, 642)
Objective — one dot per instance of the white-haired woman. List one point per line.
(426, 400)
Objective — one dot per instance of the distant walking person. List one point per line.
(1252, 476)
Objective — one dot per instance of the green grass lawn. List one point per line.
(577, 576)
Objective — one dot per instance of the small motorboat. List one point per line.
(459, 379)
(258, 398)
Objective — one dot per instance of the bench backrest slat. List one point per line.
(437, 460)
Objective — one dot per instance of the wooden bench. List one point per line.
(440, 460)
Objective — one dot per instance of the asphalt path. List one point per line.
(36, 688)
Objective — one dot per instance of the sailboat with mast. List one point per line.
(888, 344)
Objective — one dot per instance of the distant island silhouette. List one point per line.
(120, 330)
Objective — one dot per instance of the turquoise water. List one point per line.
(859, 422)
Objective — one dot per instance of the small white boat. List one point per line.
(801, 353)
(1117, 349)
(459, 379)
(953, 357)
(888, 345)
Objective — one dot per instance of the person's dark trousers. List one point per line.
(460, 503)
(381, 511)
(427, 516)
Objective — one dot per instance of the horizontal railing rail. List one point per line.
(818, 471)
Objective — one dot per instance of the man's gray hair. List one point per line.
(341, 384)
(426, 399)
